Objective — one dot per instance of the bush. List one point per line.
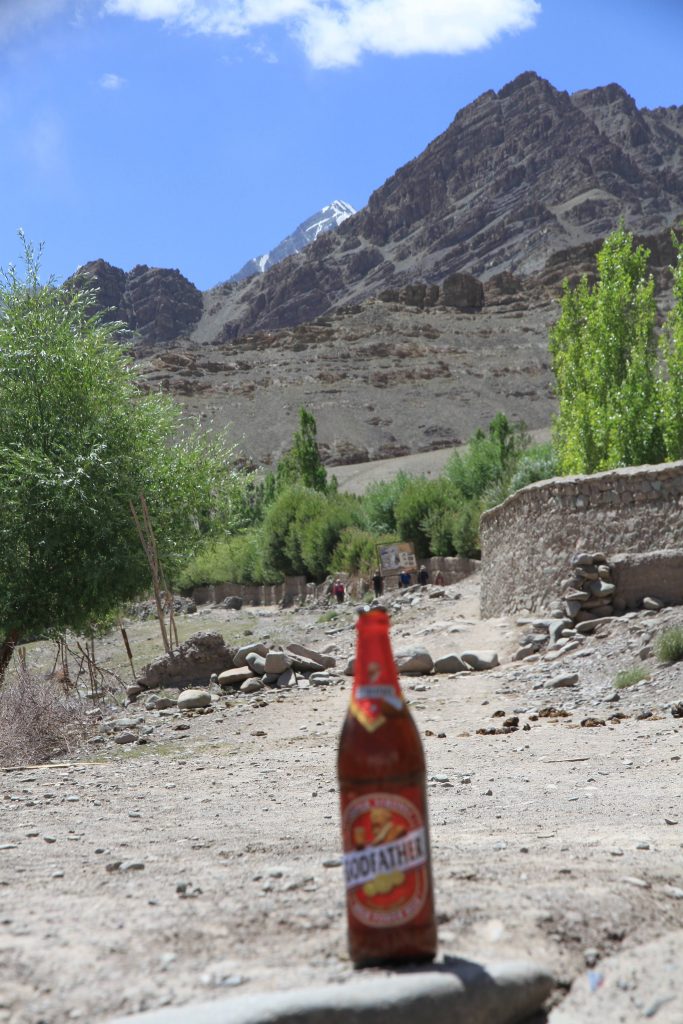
(538, 463)
(669, 645)
(356, 552)
(630, 676)
(466, 530)
(379, 503)
(38, 719)
(238, 559)
(420, 502)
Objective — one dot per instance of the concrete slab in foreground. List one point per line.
(452, 992)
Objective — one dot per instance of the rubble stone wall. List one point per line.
(528, 541)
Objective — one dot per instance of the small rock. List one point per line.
(251, 686)
(568, 679)
(125, 737)
(653, 604)
(132, 865)
(256, 663)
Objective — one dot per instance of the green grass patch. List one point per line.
(630, 676)
(669, 645)
(329, 616)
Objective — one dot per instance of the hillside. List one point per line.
(414, 321)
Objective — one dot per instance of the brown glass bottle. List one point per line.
(381, 771)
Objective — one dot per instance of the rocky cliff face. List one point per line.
(160, 306)
(518, 176)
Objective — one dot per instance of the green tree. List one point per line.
(302, 463)
(671, 346)
(605, 363)
(78, 443)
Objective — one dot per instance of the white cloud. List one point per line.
(111, 81)
(335, 33)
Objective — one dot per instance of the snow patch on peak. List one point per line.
(327, 219)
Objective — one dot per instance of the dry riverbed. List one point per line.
(205, 861)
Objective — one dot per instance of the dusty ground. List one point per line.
(207, 861)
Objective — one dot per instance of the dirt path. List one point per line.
(207, 860)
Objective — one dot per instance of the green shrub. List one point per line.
(238, 559)
(379, 503)
(419, 502)
(466, 530)
(538, 463)
(630, 676)
(356, 552)
(669, 645)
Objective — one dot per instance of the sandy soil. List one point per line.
(206, 861)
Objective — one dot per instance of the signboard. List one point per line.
(395, 557)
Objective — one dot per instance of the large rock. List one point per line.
(194, 661)
(480, 660)
(277, 662)
(324, 660)
(414, 661)
(242, 653)
(463, 291)
(450, 663)
(189, 699)
(456, 992)
(256, 663)
(234, 676)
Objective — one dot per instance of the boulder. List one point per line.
(449, 664)
(277, 662)
(324, 660)
(240, 657)
(256, 663)
(414, 661)
(235, 676)
(234, 603)
(287, 678)
(480, 660)
(189, 699)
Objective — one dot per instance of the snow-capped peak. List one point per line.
(327, 219)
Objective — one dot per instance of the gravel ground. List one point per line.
(205, 861)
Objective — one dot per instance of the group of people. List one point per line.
(405, 579)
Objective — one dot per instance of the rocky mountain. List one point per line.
(518, 176)
(327, 219)
(420, 316)
(157, 305)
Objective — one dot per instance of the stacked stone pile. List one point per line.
(588, 593)
(256, 666)
(417, 661)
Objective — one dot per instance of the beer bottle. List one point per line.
(381, 771)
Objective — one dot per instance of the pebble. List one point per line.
(49, 839)
(640, 883)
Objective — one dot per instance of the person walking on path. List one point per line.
(378, 583)
(423, 576)
(338, 590)
(404, 580)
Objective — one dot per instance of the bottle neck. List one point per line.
(376, 691)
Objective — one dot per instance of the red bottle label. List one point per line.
(375, 698)
(385, 856)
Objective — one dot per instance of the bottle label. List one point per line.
(370, 700)
(385, 858)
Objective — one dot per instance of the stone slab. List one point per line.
(641, 983)
(453, 992)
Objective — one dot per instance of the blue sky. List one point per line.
(197, 133)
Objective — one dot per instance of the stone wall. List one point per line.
(296, 589)
(527, 542)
